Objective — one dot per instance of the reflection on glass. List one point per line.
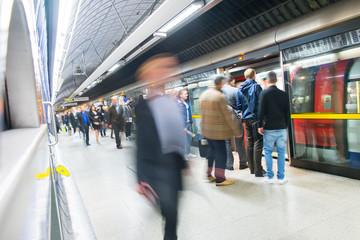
(331, 87)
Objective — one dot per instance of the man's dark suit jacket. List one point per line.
(80, 119)
(154, 167)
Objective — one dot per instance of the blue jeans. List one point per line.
(277, 137)
(103, 132)
(188, 139)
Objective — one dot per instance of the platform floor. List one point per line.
(311, 205)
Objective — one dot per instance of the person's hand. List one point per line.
(261, 131)
(110, 126)
(77, 129)
(186, 171)
(96, 123)
(127, 120)
(144, 189)
(96, 117)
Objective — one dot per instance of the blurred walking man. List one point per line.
(160, 141)
(275, 114)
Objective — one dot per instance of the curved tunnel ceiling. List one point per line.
(228, 22)
(101, 26)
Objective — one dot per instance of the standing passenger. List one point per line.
(230, 93)
(95, 118)
(217, 126)
(83, 122)
(116, 120)
(160, 141)
(275, 114)
(128, 119)
(185, 110)
(251, 91)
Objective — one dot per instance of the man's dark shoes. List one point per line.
(230, 168)
(243, 167)
(263, 174)
(88, 144)
(119, 147)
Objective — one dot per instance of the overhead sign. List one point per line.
(69, 104)
(69, 100)
(80, 99)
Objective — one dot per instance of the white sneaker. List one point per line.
(269, 180)
(191, 155)
(283, 181)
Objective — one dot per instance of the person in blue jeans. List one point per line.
(274, 119)
(185, 110)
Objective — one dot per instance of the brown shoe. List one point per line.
(210, 179)
(225, 183)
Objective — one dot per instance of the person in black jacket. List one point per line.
(250, 90)
(274, 119)
(96, 118)
(160, 141)
(116, 120)
(83, 123)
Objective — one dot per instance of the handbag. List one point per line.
(237, 117)
(102, 125)
(256, 124)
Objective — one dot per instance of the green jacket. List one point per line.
(114, 117)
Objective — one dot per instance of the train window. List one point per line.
(324, 92)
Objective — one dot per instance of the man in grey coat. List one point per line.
(230, 93)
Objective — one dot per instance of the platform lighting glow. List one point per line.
(113, 68)
(181, 17)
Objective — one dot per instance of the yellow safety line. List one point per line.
(358, 96)
(325, 116)
(317, 116)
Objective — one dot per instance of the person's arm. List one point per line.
(287, 111)
(110, 117)
(227, 115)
(238, 101)
(262, 108)
(258, 91)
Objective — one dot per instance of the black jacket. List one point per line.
(80, 120)
(153, 166)
(274, 109)
(114, 117)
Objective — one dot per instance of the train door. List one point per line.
(324, 94)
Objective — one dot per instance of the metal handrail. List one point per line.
(52, 116)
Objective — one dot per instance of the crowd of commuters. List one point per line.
(164, 131)
(118, 117)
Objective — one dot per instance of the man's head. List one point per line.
(265, 83)
(230, 80)
(183, 94)
(82, 108)
(249, 73)
(174, 94)
(114, 100)
(219, 81)
(157, 69)
(271, 77)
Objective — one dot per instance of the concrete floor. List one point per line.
(311, 205)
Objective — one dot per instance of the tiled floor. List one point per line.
(311, 205)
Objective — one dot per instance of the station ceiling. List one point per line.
(103, 25)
